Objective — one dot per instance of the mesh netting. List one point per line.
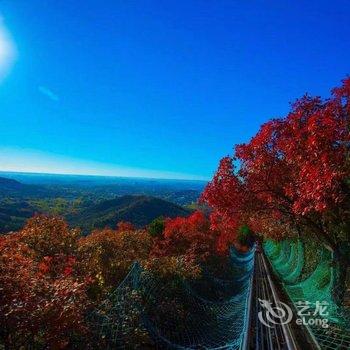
(146, 311)
(320, 287)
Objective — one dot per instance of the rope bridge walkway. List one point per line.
(207, 314)
(149, 312)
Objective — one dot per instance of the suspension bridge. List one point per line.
(232, 313)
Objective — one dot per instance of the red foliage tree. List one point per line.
(42, 301)
(190, 237)
(292, 177)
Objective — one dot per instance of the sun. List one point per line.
(7, 50)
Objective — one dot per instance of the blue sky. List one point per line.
(156, 88)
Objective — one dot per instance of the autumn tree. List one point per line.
(42, 300)
(185, 243)
(107, 255)
(292, 178)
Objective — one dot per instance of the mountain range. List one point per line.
(86, 208)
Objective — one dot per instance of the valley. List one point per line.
(91, 202)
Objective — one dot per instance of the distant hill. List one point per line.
(139, 210)
(9, 184)
(14, 188)
(103, 202)
(15, 208)
(14, 214)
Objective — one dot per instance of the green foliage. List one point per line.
(246, 236)
(156, 227)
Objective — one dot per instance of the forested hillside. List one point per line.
(92, 201)
(139, 210)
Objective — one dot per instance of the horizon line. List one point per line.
(101, 175)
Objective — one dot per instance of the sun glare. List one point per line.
(7, 50)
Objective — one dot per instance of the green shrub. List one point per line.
(246, 236)
(156, 227)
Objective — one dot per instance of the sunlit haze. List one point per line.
(7, 50)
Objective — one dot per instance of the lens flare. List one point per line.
(7, 50)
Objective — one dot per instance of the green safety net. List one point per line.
(149, 312)
(320, 290)
(290, 268)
